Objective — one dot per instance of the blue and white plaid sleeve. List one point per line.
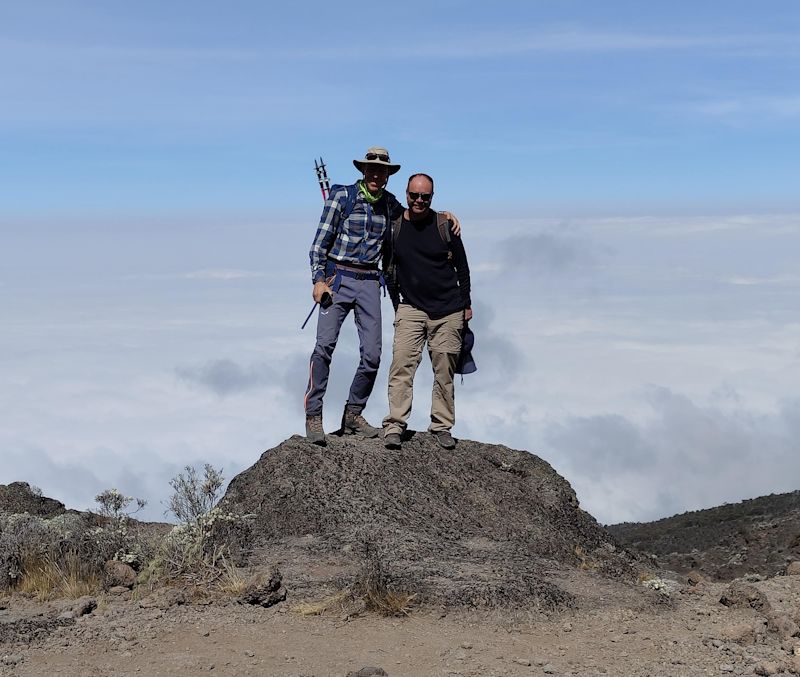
(325, 236)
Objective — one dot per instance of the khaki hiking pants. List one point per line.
(412, 329)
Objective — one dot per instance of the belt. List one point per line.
(358, 274)
(338, 270)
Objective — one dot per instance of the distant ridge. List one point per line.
(758, 535)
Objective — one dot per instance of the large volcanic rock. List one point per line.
(19, 497)
(483, 523)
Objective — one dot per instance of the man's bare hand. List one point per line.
(320, 288)
(467, 314)
(456, 227)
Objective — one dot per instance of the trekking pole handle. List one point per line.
(325, 302)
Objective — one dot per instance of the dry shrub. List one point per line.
(337, 601)
(45, 578)
(376, 587)
(204, 547)
(584, 562)
(231, 581)
(645, 576)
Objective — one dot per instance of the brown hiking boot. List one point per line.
(445, 439)
(392, 441)
(353, 423)
(315, 433)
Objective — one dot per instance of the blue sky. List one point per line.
(625, 173)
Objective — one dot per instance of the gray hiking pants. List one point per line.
(364, 299)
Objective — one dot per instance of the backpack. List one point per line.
(350, 202)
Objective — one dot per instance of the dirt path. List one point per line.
(616, 633)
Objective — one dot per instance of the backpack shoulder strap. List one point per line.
(395, 228)
(350, 200)
(443, 223)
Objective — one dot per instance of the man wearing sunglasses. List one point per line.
(430, 290)
(345, 254)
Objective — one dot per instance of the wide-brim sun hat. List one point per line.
(376, 155)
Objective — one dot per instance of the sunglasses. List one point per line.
(425, 197)
(377, 156)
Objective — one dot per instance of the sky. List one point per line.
(625, 174)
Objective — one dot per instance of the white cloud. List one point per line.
(222, 274)
(482, 44)
(687, 456)
(752, 107)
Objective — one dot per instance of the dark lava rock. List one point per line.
(22, 630)
(743, 595)
(18, 497)
(265, 594)
(479, 525)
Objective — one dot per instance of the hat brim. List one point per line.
(465, 363)
(359, 164)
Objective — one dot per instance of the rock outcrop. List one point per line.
(19, 497)
(483, 524)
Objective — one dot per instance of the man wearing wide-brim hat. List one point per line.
(345, 254)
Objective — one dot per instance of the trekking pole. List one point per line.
(325, 187)
(322, 177)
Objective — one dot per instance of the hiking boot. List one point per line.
(392, 441)
(315, 433)
(354, 423)
(445, 439)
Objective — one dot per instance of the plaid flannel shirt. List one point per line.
(359, 239)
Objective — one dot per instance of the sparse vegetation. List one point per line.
(585, 563)
(63, 556)
(203, 547)
(47, 578)
(316, 608)
(376, 588)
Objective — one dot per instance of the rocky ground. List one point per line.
(676, 628)
(506, 576)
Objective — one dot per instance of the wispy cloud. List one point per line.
(226, 377)
(741, 108)
(222, 274)
(758, 281)
(486, 44)
(545, 253)
(107, 55)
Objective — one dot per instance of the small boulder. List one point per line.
(740, 595)
(368, 672)
(694, 577)
(84, 605)
(163, 599)
(793, 665)
(265, 594)
(741, 633)
(118, 574)
(12, 659)
(793, 568)
(782, 625)
(766, 668)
